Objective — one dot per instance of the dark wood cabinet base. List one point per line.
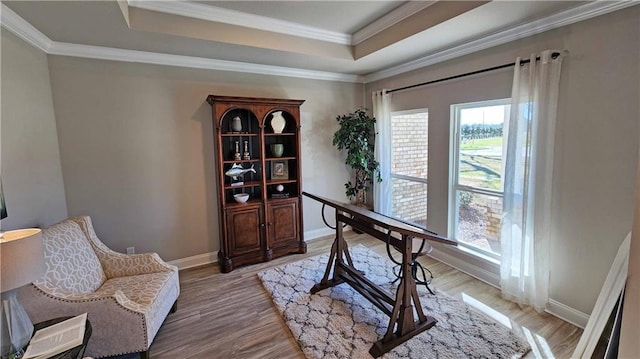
(226, 264)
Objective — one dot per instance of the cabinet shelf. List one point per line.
(247, 134)
(270, 199)
(279, 134)
(245, 185)
(248, 203)
(272, 182)
(280, 158)
(229, 162)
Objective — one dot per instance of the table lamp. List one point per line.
(21, 262)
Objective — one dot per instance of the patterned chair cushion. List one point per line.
(72, 265)
(142, 289)
(151, 293)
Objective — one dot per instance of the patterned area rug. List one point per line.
(339, 323)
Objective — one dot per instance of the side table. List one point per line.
(73, 353)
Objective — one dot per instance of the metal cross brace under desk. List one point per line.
(399, 308)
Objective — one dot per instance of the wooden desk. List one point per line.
(400, 307)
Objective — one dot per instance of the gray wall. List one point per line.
(136, 144)
(29, 155)
(596, 141)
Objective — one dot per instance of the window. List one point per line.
(478, 145)
(409, 165)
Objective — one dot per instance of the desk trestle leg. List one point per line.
(326, 282)
(339, 252)
(402, 319)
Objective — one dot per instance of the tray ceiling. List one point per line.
(339, 40)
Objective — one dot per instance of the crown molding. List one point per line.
(567, 17)
(584, 12)
(113, 54)
(232, 17)
(21, 28)
(395, 16)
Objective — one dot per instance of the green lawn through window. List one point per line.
(481, 163)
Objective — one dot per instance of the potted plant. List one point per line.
(356, 136)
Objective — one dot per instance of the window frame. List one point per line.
(454, 180)
(406, 177)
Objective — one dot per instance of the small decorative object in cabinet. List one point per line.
(236, 124)
(277, 149)
(278, 123)
(260, 183)
(279, 170)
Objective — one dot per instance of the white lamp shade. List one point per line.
(21, 258)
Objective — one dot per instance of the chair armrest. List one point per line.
(117, 297)
(120, 265)
(114, 318)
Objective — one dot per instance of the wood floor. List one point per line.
(231, 316)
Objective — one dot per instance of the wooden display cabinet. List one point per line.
(269, 223)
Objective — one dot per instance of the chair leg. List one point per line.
(144, 355)
(174, 307)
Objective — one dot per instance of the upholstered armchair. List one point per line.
(127, 297)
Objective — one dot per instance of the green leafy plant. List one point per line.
(356, 136)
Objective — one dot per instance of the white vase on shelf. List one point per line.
(236, 124)
(278, 122)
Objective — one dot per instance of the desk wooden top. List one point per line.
(383, 221)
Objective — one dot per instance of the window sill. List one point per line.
(465, 260)
(480, 255)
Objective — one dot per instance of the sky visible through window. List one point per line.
(489, 115)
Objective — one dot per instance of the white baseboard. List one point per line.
(195, 261)
(568, 314)
(212, 257)
(319, 233)
(491, 277)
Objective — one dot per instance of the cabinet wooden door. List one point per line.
(244, 230)
(283, 226)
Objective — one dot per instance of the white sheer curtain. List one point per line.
(524, 272)
(382, 113)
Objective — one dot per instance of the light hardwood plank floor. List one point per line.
(230, 315)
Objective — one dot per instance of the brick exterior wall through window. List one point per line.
(409, 143)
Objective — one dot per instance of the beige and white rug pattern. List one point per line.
(339, 323)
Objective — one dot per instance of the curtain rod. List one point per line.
(522, 62)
